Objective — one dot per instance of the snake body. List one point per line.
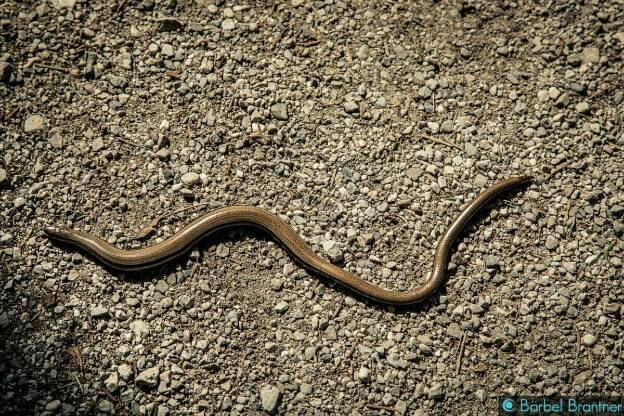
(182, 241)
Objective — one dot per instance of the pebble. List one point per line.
(281, 307)
(125, 372)
(53, 406)
(191, 178)
(551, 242)
(167, 50)
(270, 397)
(97, 144)
(589, 340)
(582, 107)
(228, 24)
(364, 375)
(148, 379)
(351, 107)
(112, 382)
(436, 391)
(279, 111)
(363, 52)
(591, 55)
(98, 311)
(34, 123)
(19, 202)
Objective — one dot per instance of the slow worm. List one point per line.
(182, 241)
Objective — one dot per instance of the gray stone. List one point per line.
(167, 50)
(125, 372)
(98, 312)
(583, 107)
(34, 123)
(97, 144)
(112, 382)
(277, 284)
(436, 391)
(163, 154)
(148, 379)
(64, 4)
(590, 55)
(228, 24)
(281, 307)
(351, 107)
(363, 52)
(424, 92)
(364, 375)
(589, 340)
(52, 406)
(414, 173)
(551, 243)
(138, 327)
(447, 126)
(279, 111)
(191, 178)
(270, 397)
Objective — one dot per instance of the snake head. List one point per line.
(58, 232)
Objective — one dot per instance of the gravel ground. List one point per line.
(365, 125)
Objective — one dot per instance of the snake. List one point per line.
(245, 215)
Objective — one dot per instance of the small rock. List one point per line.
(351, 107)
(190, 178)
(64, 4)
(364, 375)
(414, 173)
(3, 177)
(270, 397)
(148, 378)
(34, 123)
(490, 261)
(277, 284)
(363, 52)
(167, 50)
(281, 307)
(480, 181)
(162, 154)
(125, 372)
(589, 340)
(582, 107)
(98, 311)
(590, 55)
(53, 405)
(424, 92)
(551, 243)
(381, 102)
(138, 327)
(279, 111)
(97, 144)
(19, 202)
(112, 382)
(435, 391)
(447, 126)
(228, 24)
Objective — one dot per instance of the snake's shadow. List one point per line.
(224, 236)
